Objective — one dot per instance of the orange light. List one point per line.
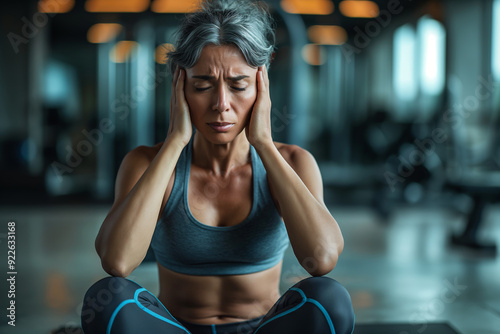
(57, 293)
(175, 6)
(122, 51)
(55, 6)
(313, 54)
(327, 35)
(363, 299)
(161, 52)
(364, 9)
(118, 6)
(313, 7)
(103, 32)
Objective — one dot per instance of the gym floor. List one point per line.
(397, 269)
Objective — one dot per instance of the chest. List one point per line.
(220, 200)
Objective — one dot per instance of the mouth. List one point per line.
(221, 126)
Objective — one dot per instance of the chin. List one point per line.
(219, 138)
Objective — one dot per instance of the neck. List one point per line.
(220, 159)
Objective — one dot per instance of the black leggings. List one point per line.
(116, 305)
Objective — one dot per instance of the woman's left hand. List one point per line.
(258, 130)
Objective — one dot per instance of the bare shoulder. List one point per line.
(133, 165)
(295, 155)
(306, 167)
(141, 155)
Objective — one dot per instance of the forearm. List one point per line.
(314, 234)
(126, 233)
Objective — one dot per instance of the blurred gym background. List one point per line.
(398, 100)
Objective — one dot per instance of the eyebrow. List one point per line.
(211, 77)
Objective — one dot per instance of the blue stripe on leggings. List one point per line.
(325, 313)
(115, 312)
(153, 313)
(159, 302)
(213, 329)
(295, 308)
(288, 311)
(142, 307)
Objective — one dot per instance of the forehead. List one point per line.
(227, 59)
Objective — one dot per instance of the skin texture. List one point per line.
(221, 89)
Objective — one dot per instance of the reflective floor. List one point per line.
(398, 269)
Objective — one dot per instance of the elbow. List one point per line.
(116, 267)
(326, 256)
(323, 264)
(321, 268)
(112, 264)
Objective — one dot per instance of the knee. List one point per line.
(103, 297)
(333, 298)
(109, 286)
(324, 288)
(107, 292)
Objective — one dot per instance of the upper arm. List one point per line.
(133, 166)
(306, 167)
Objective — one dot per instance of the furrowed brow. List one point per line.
(204, 77)
(211, 77)
(238, 78)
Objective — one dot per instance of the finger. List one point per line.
(266, 75)
(180, 80)
(174, 83)
(170, 118)
(174, 76)
(171, 114)
(173, 99)
(180, 84)
(261, 86)
(177, 82)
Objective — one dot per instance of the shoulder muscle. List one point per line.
(306, 167)
(133, 165)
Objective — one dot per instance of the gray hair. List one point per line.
(243, 23)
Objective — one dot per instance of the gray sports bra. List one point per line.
(183, 244)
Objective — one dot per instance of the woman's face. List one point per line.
(220, 90)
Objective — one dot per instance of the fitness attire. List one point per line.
(183, 244)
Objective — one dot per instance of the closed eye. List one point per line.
(201, 89)
(238, 89)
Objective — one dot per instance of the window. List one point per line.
(404, 79)
(495, 43)
(431, 37)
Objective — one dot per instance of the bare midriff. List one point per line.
(219, 299)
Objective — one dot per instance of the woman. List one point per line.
(219, 205)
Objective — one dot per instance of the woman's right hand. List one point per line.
(180, 127)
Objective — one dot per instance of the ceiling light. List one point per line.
(103, 32)
(313, 7)
(327, 35)
(122, 51)
(363, 9)
(175, 6)
(313, 54)
(118, 6)
(55, 6)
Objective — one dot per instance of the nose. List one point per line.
(221, 102)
